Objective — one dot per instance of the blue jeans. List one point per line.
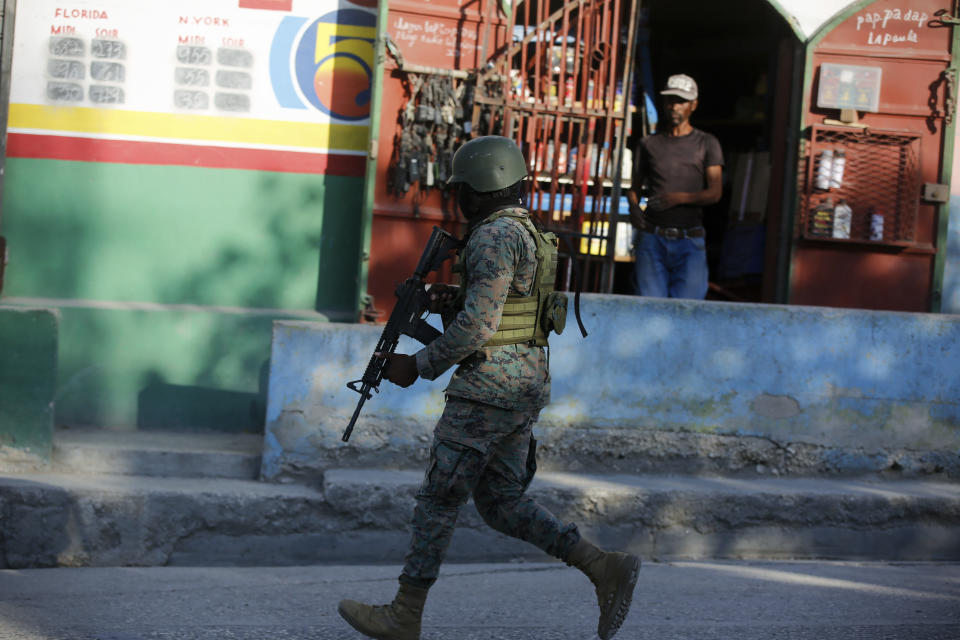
(670, 268)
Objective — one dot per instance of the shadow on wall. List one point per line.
(162, 406)
(822, 375)
(269, 260)
(268, 267)
(41, 231)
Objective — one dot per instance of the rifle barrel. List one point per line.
(356, 413)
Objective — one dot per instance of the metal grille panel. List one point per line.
(560, 90)
(880, 178)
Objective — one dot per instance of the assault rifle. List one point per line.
(406, 319)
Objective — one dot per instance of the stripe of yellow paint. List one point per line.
(331, 36)
(188, 127)
(318, 45)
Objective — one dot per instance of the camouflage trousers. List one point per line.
(489, 453)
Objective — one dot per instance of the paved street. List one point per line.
(682, 600)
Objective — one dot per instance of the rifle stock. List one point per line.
(406, 319)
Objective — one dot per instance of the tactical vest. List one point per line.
(530, 319)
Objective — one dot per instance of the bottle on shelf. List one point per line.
(837, 167)
(876, 224)
(842, 220)
(626, 165)
(824, 169)
(822, 224)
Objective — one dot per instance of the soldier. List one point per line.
(483, 443)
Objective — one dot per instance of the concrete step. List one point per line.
(157, 453)
(360, 515)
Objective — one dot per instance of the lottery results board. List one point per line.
(278, 85)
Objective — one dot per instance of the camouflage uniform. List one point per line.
(483, 444)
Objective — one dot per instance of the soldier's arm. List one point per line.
(491, 260)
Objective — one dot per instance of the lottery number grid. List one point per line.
(70, 79)
(225, 72)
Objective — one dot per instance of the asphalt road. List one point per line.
(681, 600)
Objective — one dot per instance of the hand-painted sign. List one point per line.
(892, 25)
(260, 84)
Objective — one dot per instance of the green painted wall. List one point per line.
(97, 240)
(28, 370)
(179, 234)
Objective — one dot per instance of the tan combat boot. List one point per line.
(399, 620)
(614, 575)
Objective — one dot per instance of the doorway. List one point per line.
(738, 52)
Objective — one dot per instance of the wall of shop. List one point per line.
(865, 380)
(177, 177)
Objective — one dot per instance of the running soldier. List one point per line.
(496, 328)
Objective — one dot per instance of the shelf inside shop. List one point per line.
(879, 245)
(576, 110)
(567, 179)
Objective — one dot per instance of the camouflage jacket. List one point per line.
(499, 258)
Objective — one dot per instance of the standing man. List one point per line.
(682, 167)
(496, 329)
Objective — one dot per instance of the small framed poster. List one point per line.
(846, 86)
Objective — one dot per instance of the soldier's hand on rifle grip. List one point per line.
(443, 297)
(401, 369)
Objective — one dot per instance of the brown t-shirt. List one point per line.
(676, 163)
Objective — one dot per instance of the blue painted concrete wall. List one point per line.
(804, 374)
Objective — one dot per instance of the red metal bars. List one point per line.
(559, 80)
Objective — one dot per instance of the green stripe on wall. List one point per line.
(181, 235)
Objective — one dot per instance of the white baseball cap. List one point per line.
(682, 86)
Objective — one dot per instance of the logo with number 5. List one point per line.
(325, 64)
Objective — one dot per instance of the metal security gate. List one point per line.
(554, 76)
(561, 91)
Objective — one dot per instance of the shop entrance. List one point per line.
(741, 53)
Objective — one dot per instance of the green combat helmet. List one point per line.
(488, 163)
